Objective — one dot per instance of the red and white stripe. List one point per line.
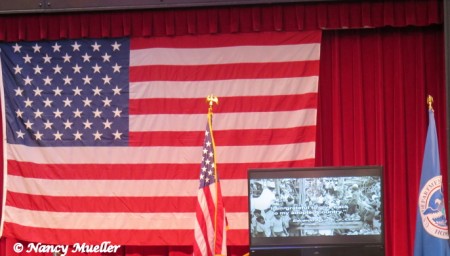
(209, 233)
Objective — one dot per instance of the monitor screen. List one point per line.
(300, 207)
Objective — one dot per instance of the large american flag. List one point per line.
(104, 136)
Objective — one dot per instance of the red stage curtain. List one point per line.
(228, 19)
(372, 111)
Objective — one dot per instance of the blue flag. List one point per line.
(431, 224)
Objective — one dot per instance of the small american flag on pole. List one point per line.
(210, 224)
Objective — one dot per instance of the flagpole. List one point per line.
(211, 99)
(430, 103)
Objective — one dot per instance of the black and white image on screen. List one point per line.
(319, 206)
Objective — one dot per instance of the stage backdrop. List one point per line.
(372, 87)
(104, 136)
(373, 111)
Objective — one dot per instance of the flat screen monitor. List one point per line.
(313, 207)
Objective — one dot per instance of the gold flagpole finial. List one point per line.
(430, 102)
(211, 99)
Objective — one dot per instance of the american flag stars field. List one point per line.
(68, 93)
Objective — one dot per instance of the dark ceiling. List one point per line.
(46, 6)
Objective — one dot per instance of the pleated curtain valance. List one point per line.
(229, 19)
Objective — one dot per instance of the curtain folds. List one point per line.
(228, 19)
(372, 111)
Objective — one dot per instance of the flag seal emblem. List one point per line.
(432, 210)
